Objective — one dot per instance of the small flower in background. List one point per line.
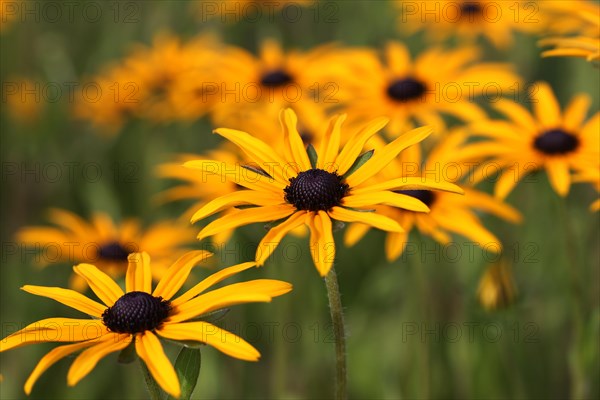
(274, 80)
(419, 92)
(244, 10)
(586, 43)
(104, 243)
(592, 176)
(9, 11)
(555, 141)
(497, 287)
(312, 188)
(496, 21)
(449, 213)
(135, 317)
(23, 99)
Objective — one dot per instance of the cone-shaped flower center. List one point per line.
(276, 78)
(315, 190)
(114, 251)
(406, 89)
(426, 196)
(136, 312)
(556, 141)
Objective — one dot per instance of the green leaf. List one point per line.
(312, 155)
(257, 170)
(213, 316)
(187, 367)
(128, 354)
(363, 158)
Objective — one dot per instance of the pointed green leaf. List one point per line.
(312, 155)
(128, 354)
(363, 158)
(187, 367)
(213, 316)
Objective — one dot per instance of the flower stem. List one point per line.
(155, 391)
(337, 319)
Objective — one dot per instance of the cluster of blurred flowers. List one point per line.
(309, 167)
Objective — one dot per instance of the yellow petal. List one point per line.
(322, 245)
(357, 142)
(258, 198)
(385, 197)
(88, 359)
(395, 243)
(139, 274)
(294, 146)
(410, 183)
(245, 217)
(178, 273)
(506, 183)
(355, 232)
(68, 297)
(576, 112)
(212, 280)
(218, 338)
(370, 218)
(271, 240)
(259, 290)
(545, 105)
(50, 359)
(234, 173)
(517, 113)
(330, 144)
(558, 174)
(105, 288)
(54, 330)
(150, 350)
(383, 157)
(398, 58)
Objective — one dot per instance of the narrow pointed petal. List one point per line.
(355, 145)
(105, 288)
(294, 146)
(234, 173)
(178, 273)
(546, 107)
(216, 337)
(88, 359)
(139, 275)
(212, 280)
(410, 183)
(558, 174)
(385, 197)
(271, 240)
(576, 112)
(330, 145)
(253, 197)
(151, 351)
(322, 245)
(382, 158)
(370, 218)
(245, 217)
(69, 298)
(50, 359)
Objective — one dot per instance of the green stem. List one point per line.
(155, 391)
(579, 382)
(337, 318)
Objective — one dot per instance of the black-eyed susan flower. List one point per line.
(267, 83)
(313, 188)
(104, 243)
(449, 213)
(497, 288)
(555, 141)
(438, 82)
(139, 315)
(586, 43)
(468, 20)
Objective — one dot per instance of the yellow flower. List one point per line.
(468, 20)
(449, 213)
(301, 188)
(549, 139)
(437, 82)
(264, 85)
(586, 44)
(137, 315)
(24, 99)
(103, 243)
(497, 287)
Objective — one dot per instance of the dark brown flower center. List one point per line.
(136, 312)
(315, 189)
(556, 141)
(407, 89)
(426, 196)
(114, 251)
(470, 9)
(276, 78)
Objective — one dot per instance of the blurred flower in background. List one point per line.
(23, 99)
(497, 287)
(104, 243)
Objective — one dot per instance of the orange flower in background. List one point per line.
(556, 141)
(496, 21)
(437, 82)
(449, 213)
(24, 99)
(104, 243)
